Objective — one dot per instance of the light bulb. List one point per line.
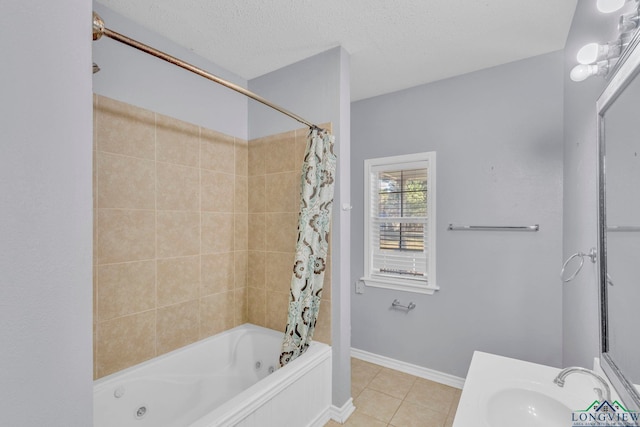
(594, 52)
(588, 54)
(608, 6)
(581, 72)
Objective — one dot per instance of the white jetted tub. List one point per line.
(230, 379)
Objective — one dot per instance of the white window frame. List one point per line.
(395, 163)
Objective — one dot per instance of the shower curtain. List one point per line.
(314, 218)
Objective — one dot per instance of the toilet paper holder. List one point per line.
(396, 304)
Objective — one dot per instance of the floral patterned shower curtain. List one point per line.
(316, 200)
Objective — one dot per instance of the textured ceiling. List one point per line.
(394, 44)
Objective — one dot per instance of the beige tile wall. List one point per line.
(194, 233)
(275, 163)
(170, 234)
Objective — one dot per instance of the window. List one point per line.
(400, 223)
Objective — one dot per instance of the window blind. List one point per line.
(399, 223)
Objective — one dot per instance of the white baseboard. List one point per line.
(341, 415)
(408, 368)
(322, 418)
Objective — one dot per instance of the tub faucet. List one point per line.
(559, 381)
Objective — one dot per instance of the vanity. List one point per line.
(505, 392)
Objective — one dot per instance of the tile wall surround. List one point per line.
(274, 168)
(182, 217)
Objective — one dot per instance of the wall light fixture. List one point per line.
(596, 59)
(629, 21)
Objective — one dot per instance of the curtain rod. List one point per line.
(100, 30)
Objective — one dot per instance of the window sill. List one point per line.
(399, 285)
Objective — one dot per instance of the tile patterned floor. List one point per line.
(387, 398)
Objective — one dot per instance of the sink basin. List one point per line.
(525, 408)
(504, 392)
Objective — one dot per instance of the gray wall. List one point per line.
(498, 137)
(139, 79)
(309, 88)
(317, 89)
(580, 324)
(45, 214)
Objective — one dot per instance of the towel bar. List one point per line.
(534, 227)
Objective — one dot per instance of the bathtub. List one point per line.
(230, 379)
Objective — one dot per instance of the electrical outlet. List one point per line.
(359, 287)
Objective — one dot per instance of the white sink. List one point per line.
(529, 408)
(504, 392)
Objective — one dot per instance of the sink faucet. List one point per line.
(559, 381)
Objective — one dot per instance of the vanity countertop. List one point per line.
(501, 391)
